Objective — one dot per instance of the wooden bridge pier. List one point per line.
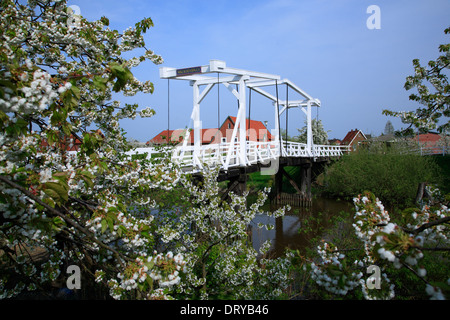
(236, 183)
(302, 196)
(237, 178)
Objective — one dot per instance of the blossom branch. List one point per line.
(428, 225)
(68, 220)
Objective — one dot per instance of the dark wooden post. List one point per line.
(305, 187)
(279, 184)
(237, 184)
(279, 236)
(242, 183)
(291, 181)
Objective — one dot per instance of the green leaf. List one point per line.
(58, 223)
(88, 178)
(100, 83)
(58, 191)
(52, 194)
(104, 225)
(75, 92)
(121, 230)
(48, 201)
(122, 74)
(110, 224)
(105, 21)
(143, 25)
(62, 177)
(52, 137)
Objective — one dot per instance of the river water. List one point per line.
(286, 233)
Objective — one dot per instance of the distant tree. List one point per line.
(389, 128)
(437, 101)
(136, 143)
(320, 136)
(285, 135)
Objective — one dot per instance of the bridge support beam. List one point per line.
(302, 197)
(305, 172)
(236, 184)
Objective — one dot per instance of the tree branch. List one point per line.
(431, 249)
(68, 220)
(422, 227)
(428, 225)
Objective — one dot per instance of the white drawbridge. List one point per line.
(240, 151)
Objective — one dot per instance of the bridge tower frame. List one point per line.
(201, 76)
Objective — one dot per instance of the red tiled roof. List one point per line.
(427, 139)
(350, 136)
(178, 136)
(258, 127)
(70, 144)
(257, 131)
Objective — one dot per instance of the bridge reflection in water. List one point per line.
(286, 233)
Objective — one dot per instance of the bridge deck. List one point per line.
(257, 154)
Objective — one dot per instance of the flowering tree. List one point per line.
(433, 90)
(97, 208)
(213, 236)
(386, 245)
(320, 136)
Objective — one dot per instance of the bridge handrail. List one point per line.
(298, 149)
(295, 149)
(329, 150)
(227, 154)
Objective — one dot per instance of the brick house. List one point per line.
(256, 131)
(353, 139)
(177, 136)
(431, 142)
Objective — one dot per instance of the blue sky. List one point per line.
(323, 46)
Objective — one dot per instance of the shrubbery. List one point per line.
(389, 172)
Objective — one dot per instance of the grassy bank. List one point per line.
(391, 175)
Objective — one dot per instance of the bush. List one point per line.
(387, 171)
(410, 251)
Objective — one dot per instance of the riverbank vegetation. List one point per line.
(390, 254)
(333, 265)
(389, 172)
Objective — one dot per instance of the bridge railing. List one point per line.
(295, 149)
(262, 151)
(150, 152)
(210, 154)
(228, 155)
(329, 150)
(225, 154)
